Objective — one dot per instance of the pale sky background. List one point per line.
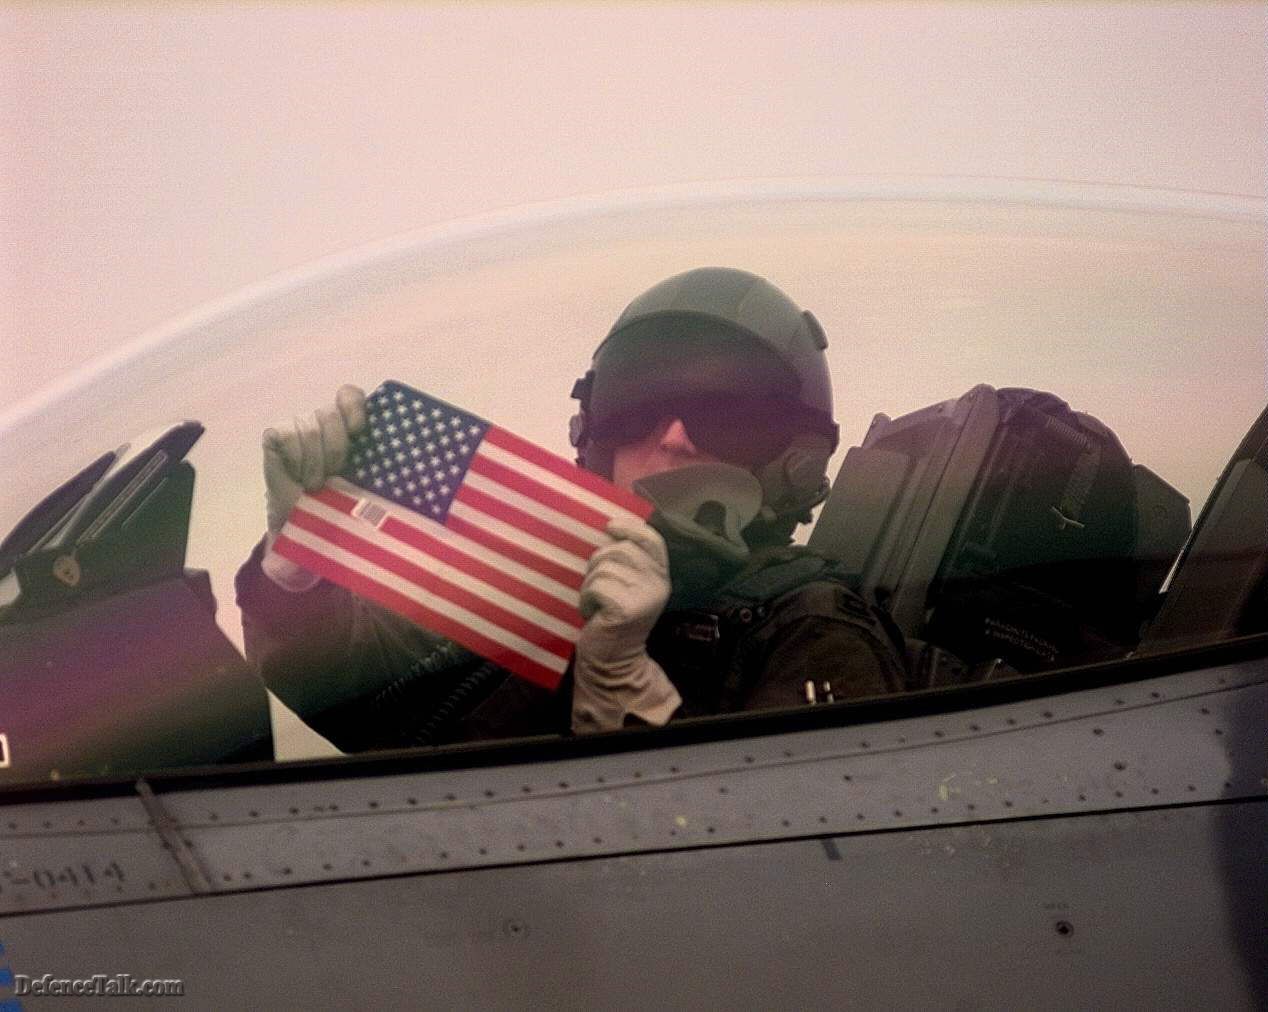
(157, 159)
(157, 156)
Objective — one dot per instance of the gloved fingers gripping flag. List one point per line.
(463, 528)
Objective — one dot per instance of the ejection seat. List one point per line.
(110, 657)
(1003, 532)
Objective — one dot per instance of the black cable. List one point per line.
(472, 683)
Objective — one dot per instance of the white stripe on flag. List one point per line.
(517, 536)
(537, 509)
(438, 604)
(551, 480)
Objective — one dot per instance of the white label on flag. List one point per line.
(370, 512)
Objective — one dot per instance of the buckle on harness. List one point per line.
(702, 629)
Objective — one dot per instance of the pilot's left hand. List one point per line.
(623, 593)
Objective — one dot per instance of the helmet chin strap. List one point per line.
(593, 457)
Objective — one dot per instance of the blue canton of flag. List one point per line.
(416, 449)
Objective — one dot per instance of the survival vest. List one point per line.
(788, 618)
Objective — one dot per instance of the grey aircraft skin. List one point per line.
(1077, 838)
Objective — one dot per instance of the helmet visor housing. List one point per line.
(738, 399)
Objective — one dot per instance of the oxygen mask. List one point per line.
(701, 511)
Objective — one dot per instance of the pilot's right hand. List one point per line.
(299, 457)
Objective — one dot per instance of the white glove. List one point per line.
(622, 595)
(300, 457)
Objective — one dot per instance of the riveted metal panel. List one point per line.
(1128, 909)
(1179, 739)
(77, 853)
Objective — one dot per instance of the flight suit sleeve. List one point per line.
(365, 678)
(821, 632)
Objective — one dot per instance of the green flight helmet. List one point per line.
(725, 337)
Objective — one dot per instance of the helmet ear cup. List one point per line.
(590, 455)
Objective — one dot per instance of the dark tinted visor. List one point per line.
(748, 431)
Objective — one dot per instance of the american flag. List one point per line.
(462, 527)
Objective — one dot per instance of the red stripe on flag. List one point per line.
(533, 561)
(433, 584)
(557, 501)
(557, 465)
(371, 589)
(334, 499)
(526, 522)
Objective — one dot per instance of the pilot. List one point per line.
(711, 397)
